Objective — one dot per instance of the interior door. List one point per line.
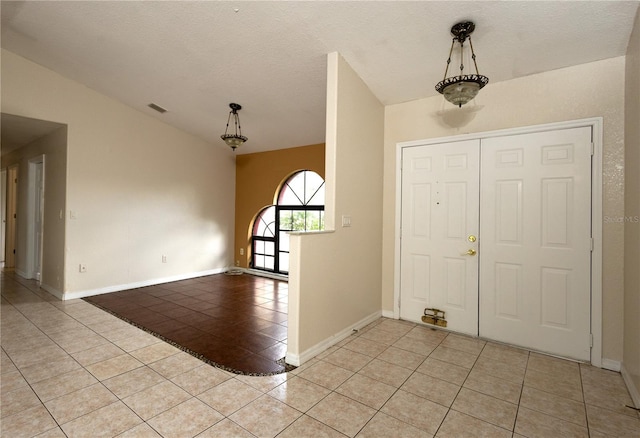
(440, 207)
(38, 219)
(12, 216)
(535, 279)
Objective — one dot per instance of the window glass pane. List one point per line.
(292, 192)
(286, 220)
(314, 189)
(314, 222)
(284, 241)
(269, 248)
(299, 220)
(265, 222)
(318, 197)
(259, 261)
(284, 262)
(258, 247)
(269, 263)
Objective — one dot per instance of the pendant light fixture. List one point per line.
(236, 139)
(462, 88)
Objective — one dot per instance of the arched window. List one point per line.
(300, 207)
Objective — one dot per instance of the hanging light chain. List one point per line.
(461, 57)
(446, 70)
(227, 128)
(238, 127)
(473, 55)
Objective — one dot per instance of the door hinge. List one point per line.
(591, 244)
(399, 302)
(593, 148)
(590, 339)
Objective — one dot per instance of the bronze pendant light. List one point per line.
(462, 88)
(236, 139)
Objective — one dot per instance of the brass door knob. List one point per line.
(470, 252)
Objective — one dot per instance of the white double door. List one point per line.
(497, 233)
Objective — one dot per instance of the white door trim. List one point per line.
(33, 250)
(596, 212)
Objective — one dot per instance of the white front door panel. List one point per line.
(536, 241)
(439, 213)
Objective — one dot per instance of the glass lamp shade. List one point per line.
(461, 89)
(233, 140)
(461, 92)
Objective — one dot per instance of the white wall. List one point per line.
(54, 149)
(334, 277)
(631, 358)
(137, 188)
(590, 90)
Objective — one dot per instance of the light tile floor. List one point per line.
(70, 369)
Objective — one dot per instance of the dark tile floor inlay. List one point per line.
(238, 322)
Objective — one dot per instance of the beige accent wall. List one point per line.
(54, 149)
(259, 177)
(334, 281)
(136, 189)
(589, 90)
(631, 356)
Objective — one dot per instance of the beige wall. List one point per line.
(631, 357)
(258, 179)
(138, 188)
(334, 282)
(54, 149)
(590, 90)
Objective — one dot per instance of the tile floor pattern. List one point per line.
(236, 321)
(71, 369)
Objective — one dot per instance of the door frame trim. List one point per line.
(34, 255)
(596, 124)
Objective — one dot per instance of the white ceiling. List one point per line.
(194, 58)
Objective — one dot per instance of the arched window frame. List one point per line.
(301, 197)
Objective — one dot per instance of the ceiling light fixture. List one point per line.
(462, 88)
(236, 139)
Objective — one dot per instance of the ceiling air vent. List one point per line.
(158, 108)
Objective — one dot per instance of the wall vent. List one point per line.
(158, 108)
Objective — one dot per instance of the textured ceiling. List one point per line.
(194, 58)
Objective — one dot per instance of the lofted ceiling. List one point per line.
(195, 57)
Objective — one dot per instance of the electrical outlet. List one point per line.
(241, 251)
(164, 258)
(346, 221)
(83, 268)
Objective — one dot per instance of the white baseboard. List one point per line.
(119, 287)
(299, 359)
(259, 273)
(611, 365)
(388, 314)
(22, 274)
(634, 391)
(53, 291)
